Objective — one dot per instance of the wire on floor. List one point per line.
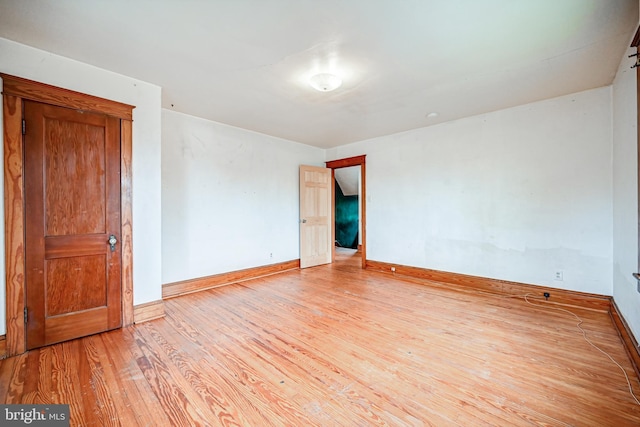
(584, 335)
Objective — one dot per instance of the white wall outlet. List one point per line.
(558, 275)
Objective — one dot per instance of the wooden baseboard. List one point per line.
(501, 287)
(148, 311)
(629, 341)
(3, 347)
(172, 290)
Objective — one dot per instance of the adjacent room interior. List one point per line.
(321, 213)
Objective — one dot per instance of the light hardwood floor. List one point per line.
(338, 346)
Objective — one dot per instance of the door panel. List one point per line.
(78, 151)
(315, 216)
(72, 193)
(71, 285)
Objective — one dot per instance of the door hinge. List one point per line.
(25, 315)
(24, 127)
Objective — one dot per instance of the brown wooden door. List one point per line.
(72, 193)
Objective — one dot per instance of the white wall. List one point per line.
(34, 64)
(229, 197)
(625, 194)
(515, 194)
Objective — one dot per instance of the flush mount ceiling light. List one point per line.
(325, 82)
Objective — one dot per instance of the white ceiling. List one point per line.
(349, 180)
(246, 62)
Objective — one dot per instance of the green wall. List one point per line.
(346, 219)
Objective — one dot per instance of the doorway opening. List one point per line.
(346, 213)
(349, 191)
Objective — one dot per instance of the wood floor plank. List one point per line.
(97, 374)
(196, 372)
(168, 386)
(130, 382)
(374, 372)
(12, 379)
(319, 362)
(338, 346)
(239, 362)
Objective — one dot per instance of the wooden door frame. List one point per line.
(636, 43)
(345, 163)
(15, 91)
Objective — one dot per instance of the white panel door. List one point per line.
(315, 216)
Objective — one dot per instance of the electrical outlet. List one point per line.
(558, 275)
(271, 255)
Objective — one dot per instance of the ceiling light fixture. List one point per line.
(325, 82)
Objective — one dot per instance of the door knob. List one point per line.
(112, 242)
(304, 221)
(636, 275)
